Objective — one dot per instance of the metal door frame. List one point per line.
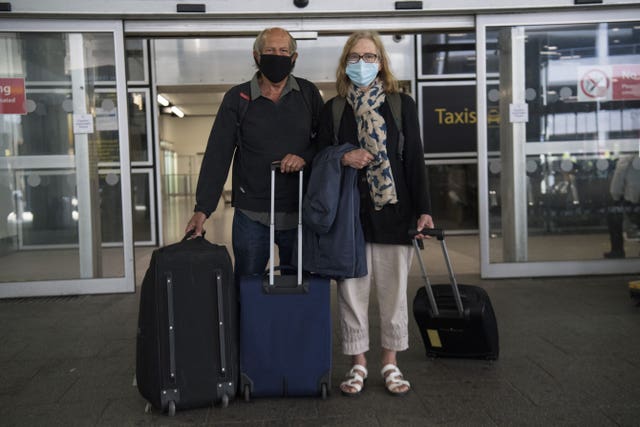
(547, 268)
(125, 283)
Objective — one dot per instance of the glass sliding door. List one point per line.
(63, 112)
(447, 109)
(557, 181)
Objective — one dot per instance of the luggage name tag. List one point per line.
(434, 338)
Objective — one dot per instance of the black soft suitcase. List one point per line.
(454, 320)
(187, 341)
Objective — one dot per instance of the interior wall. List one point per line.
(188, 138)
(188, 135)
(229, 61)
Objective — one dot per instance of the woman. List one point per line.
(394, 199)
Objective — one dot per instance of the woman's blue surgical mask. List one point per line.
(362, 73)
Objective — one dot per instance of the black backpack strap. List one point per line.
(337, 108)
(395, 104)
(306, 90)
(244, 97)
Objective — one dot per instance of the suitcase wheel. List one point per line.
(324, 391)
(247, 393)
(171, 410)
(225, 401)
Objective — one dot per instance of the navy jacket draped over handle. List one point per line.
(333, 240)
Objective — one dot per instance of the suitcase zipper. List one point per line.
(221, 326)
(172, 335)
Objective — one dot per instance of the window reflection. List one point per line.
(136, 60)
(454, 195)
(105, 136)
(454, 53)
(139, 138)
(50, 155)
(111, 201)
(45, 130)
(582, 88)
(583, 82)
(47, 208)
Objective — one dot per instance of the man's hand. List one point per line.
(425, 221)
(357, 159)
(291, 163)
(195, 223)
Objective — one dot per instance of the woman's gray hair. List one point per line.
(258, 44)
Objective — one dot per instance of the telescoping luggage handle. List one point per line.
(439, 234)
(274, 167)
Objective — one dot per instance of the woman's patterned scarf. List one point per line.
(372, 136)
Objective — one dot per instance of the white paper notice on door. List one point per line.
(82, 123)
(518, 113)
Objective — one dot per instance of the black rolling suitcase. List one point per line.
(454, 320)
(187, 342)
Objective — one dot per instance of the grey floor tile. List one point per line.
(54, 415)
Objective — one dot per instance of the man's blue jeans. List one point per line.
(251, 245)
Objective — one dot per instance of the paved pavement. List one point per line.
(570, 356)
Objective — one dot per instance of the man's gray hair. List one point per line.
(258, 44)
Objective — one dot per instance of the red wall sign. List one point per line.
(13, 98)
(626, 81)
(617, 82)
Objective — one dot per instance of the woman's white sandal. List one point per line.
(394, 380)
(354, 380)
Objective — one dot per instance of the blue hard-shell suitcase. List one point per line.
(285, 329)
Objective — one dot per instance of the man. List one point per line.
(271, 118)
(625, 194)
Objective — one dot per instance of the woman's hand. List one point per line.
(425, 221)
(357, 159)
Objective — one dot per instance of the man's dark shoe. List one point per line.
(614, 254)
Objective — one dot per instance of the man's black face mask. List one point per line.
(275, 67)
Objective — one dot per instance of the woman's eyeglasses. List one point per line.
(353, 58)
